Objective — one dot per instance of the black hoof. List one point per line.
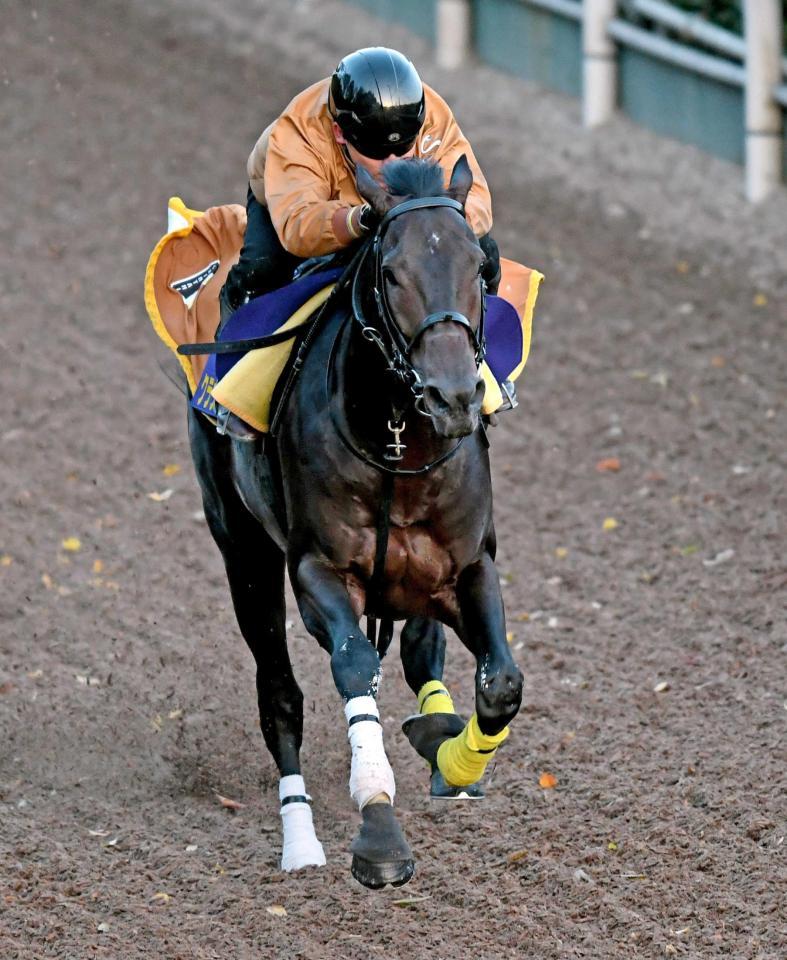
(381, 855)
(440, 790)
(426, 731)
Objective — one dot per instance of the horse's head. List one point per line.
(428, 275)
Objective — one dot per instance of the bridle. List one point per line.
(383, 329)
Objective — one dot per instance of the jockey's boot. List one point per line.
(228, 423)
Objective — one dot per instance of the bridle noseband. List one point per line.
(395, 347)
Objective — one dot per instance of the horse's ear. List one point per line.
(371, 191)
(461, 180)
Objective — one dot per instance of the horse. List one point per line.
(375, 493)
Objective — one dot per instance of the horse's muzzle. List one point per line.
(454, 412)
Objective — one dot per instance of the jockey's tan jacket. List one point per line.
(299, 171)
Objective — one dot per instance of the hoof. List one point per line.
(426, 731)
(381, 855)
(440, 790)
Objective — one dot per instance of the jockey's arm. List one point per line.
(297, 192)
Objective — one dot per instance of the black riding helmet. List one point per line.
(377, 98)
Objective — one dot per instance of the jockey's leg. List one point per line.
(498, 681)
(255, 570)
(263, 265)
(381, 853)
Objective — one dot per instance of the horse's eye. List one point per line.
(481, 266)
(388, 276)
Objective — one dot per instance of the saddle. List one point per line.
(187, 270)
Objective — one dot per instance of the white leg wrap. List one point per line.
(301, 847)
(370, 772)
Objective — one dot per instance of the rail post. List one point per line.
(453, 33)
(599, 65)
(763, 114)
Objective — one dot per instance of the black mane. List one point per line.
(412, 177)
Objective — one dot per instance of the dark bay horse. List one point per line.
(375, 493)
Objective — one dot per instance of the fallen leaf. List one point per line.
(161, 497)
(277, 910)
(98, 566)
(171, 469)
(561, 553)
(230, 804)
(163, 897)
(608, 465)
(612, 846)
(192, 848)
(510, 636)
(47, 581)
(174, 714)
(718, 361)
(6, 687)
(522, 617)
(35, 674)
(610, 523)
(71, 544)
(682, 266)
(661, 687)
(407, 901)
(517, 855)
(722, 557)
(6, 560)
(156, 723)
(103, 927)
(689, 549)
(98, 833)
(547, 781)
(760, 300)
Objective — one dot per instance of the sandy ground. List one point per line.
(126, 694)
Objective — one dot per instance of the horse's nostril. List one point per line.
(436, 399)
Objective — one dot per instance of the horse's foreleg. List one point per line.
(381, 853)
(498, 681)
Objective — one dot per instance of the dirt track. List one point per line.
(126, 694)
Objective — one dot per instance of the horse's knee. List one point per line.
(498, 698)
(355, 665)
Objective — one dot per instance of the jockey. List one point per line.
(303, 200)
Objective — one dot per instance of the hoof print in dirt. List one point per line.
(426, 731)
(381, 855)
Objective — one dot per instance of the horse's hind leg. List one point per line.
(255, 570)
(422, 646)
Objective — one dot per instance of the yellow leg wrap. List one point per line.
(463, 759)
(433, 697)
